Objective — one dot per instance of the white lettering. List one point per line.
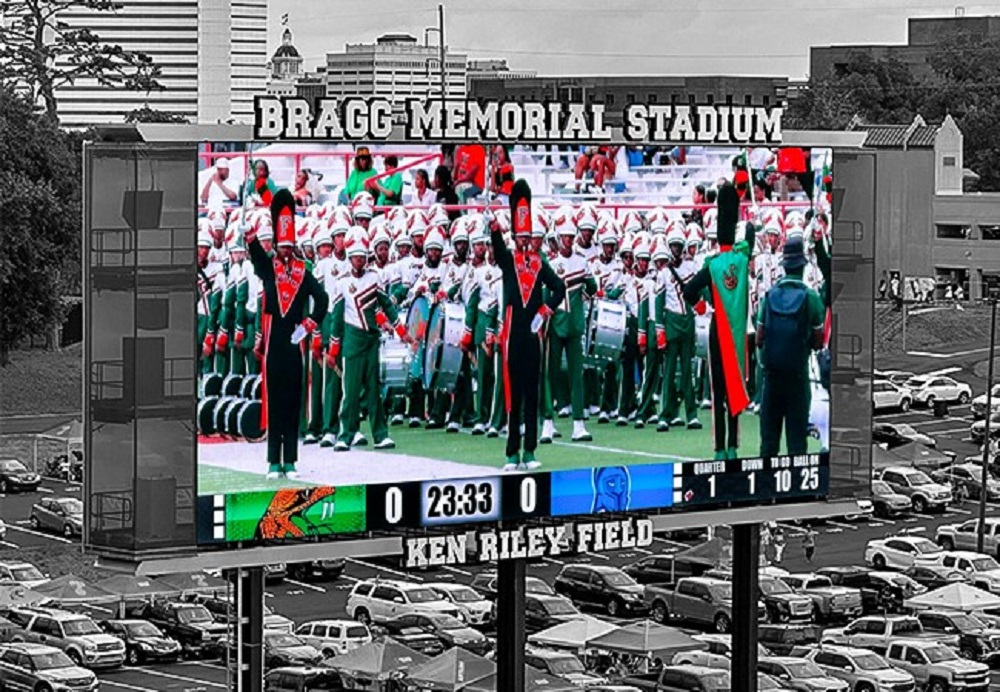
(488, 547)
(416, 555)
(628, 535)
(425, 119)
(454, 119)
(436, 546)
(536, 542)
(268, 117)
(708, 124)
(769, 125)
(599, 129)
(644, 528)
(576, 122)
(584, 535)
(297, 119)
(457, 549)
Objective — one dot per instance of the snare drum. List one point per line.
(219, 414)
(701, 324)
(417, 323)
(606, 330)
(250, 388)
(248, 423)
(211, 384)
(394, 365)
(206, 415)
(443, 352)
(232, 385)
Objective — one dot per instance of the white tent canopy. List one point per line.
(575, 634)
(958, 596)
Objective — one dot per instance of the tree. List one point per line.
(153, 115)
(40, 198)
(40, 53)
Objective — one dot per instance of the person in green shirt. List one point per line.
(363, 170)
(389, 188)
(789, 329)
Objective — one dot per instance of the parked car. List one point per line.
(374, 600)
(898, 552)
(144, 642)
(976, 640)
(881, 592)
(861, 669)
(334, 637)
(886, 395)
(26, 666)
(283, 649)
(276, 572)
(562, 664)
(830, 602)
(898, 434)
(897, 377)
(979, 403)
(61, 514)
(780, 640)
(77, 635)
(485, 582)
(780, 602)
(450, 630)
(967, 479)
(16, 478)
(717, 654)
(3, 530)
(411, 635)
(317, 570)
(542, 611)
(981, 570)
(224, 611)
(964, 536)
(876, 632)
(189, 623)
(977, 431)
(22, 574)
(604, 587)
(934, 576)
(701, 600)
(924, 493)
(682, 679)
(799, 674)
(886, 502)
(302, 679)
(928, 390)
(473, 607)
(656, 569)
(938, 668)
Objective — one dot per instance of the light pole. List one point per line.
(989, 415)
(440, 32)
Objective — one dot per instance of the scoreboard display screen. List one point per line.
(392, 400)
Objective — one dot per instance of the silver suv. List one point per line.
(40, 667)
(77, 635)
(860, 668)
(375, 600)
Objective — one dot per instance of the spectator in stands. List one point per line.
(445, 191)
(215, 193)
(503, 173)
(635, 156)
(301, 193)
(423, 195)
(470, 171)
(696, 215)
(363, 170)
(761, 190)
(710, 196)
(389, 188)
(597, 163)
(261, 185)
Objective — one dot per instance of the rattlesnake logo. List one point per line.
(729, 277)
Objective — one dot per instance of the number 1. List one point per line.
(753, 482)
(711, 486)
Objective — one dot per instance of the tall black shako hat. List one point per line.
(729, 214)
(520, 208)
(283, 217)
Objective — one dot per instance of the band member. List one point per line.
(480, 324)
(333, 267)
(287, 287)
(361, 311)
(428, 283)
(677, 319)
(652, 337)
(565, 334)
(209, 299)
(630, 349)
(726, 278)
(525, 272)
(607, 271)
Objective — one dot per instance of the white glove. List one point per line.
(487, 216)
(299, 334)
(536, 324)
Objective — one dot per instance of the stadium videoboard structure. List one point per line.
(638, 352)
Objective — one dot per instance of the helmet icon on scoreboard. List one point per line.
(612, 489)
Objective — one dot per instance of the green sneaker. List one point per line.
(274, 472)
(530, 462)
(513, 461)
(290, 472)
(720, 455)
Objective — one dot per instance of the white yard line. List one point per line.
(8, 544)
(666, 458)
(379, 568)
(306, 586)
(41, 535)
(928, 354)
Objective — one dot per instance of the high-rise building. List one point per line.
(396, 67)
(212, 55)
(285, 68)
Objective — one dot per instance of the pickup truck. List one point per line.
(782, 604)
(700, 600)
(681, 679)
(876, 632)
(936, 668)
(977, 641)
(830, 602)
(964, 536)
(190, 624)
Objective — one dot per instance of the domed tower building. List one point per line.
(286, 67)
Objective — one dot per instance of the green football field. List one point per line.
(611, 446)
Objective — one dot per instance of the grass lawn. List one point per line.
(39, 381)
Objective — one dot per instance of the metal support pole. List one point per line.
(510, 625)
(250, 630)
(980, 535)
(444, 83)
(746, 563)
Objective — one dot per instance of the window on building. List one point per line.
(952, 282)
(673, 99)
(767, 100)
(652, 98)
(953, 231)
(990, 232)
(949, 161)
(729, 99)
(629, 98)
(748, 100)
(609, 99)
(692, 99)
(710, 99)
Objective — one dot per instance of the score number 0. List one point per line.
(809, 478)
(394, 500)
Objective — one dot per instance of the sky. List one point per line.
(567, 37)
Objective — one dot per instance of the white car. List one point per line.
(928, 389)
(899, 552)
(981, 570)
(473, 608)
(334, 637)
(979, 403)
(887, 395)
(376, 600)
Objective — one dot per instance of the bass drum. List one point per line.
(417, 323)
(701, 324)
(232, 421)
(443, 352)
(394, 366)
(219, 414)
(232, 385)
(211, 384)
(250, 387)
(206, 415)
(249, 425)
(606, 328)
